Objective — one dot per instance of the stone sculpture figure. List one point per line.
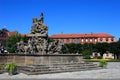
(59, 47)
(38, 40)
(20, 46)
(41, 18)
(55, 47)
(39, 26)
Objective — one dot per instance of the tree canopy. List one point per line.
(89, 47)
(11, 44)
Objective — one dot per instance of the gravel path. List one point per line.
(111, 72)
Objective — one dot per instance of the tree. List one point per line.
(50, 40)
(115, 48)
(11, 42)
(88, 46)
(102, 47)
(72, 48)
(86, 54)
(79, 48)
(65, 48)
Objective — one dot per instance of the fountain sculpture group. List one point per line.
(38, 41)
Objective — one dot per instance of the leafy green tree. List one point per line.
(115, 48)
(11, 45)
(72, 48)
(79, 48)
(65, 49)
(86, 54)
(88, 46)
(102, 47)
(50, 40)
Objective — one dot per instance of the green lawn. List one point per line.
(97, 60)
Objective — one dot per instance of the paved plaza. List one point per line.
(111, 72)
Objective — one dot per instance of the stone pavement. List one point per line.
(111, 72)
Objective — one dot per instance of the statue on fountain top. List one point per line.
(38, 40)
(39, 27)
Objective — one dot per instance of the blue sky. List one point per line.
(67, 16)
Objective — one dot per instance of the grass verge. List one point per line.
(97, 60)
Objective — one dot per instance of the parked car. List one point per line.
(3, 50)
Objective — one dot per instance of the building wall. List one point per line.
(109, 40)
(89, 38)
(3, 38)
(79, 40)
(4, 35)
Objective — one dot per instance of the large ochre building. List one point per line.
(84, 38)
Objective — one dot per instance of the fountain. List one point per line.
(39, 56)
(38, 40)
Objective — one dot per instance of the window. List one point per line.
(82, 40)
(1, 34)
(90, 40)
(107, 54)
(95, 40)
(112, 39)
(78, 40)
(62, 40)
(112, 54)
(101, 39)
(86, 40)
(106, 39)
(67, 40)
(73, 40)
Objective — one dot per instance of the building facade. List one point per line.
(4, 35)
(84, 38)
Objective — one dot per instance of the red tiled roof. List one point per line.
(80, 35)
(12, 33)
(24, 35)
